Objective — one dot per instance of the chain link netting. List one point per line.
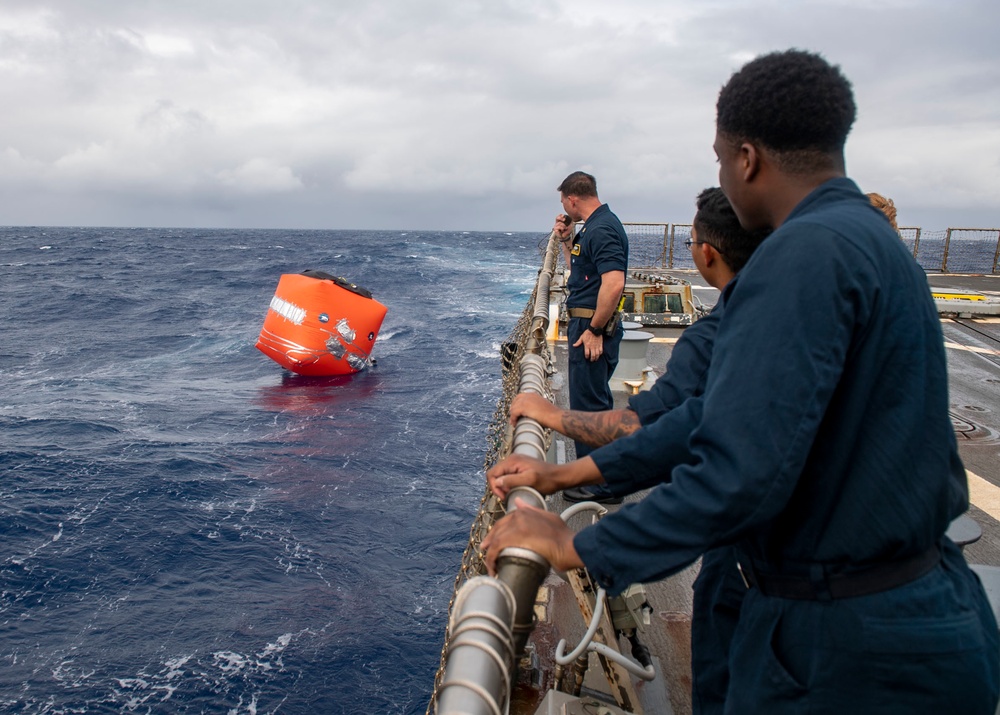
(647, 244)
(972, 250)
(953, 250)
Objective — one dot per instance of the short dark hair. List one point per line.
(795, 103)
(717, 225)
(578, 184)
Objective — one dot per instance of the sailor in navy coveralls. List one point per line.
(824, 451)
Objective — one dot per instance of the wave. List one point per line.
(195, 528)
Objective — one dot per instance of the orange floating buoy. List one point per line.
(318, 324)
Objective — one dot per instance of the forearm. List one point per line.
(578, 473)
(597, 429)
(567, 248)
(612, 284)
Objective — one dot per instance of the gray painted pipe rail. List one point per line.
(490, 624)
(529, 435)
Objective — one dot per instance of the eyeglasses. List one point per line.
(691, 242)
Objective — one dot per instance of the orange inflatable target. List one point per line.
(319, 324)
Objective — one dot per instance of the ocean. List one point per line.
(188, 528)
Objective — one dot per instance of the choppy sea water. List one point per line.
(185, 527)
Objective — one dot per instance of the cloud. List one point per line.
(466, 114)
(259, 176)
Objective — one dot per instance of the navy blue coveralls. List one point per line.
(599, 247)
(824, 450)
(687, 370)
(718, 589)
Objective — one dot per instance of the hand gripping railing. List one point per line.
(490, 624)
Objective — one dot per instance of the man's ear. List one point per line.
(708, 254)
(749, 161)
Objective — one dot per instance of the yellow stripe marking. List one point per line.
(957, 296)
(984, 494)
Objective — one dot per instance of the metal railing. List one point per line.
(484, 681)
(953, 250)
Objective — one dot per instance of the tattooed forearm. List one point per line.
(599, 428)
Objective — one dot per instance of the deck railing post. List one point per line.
(996, 256)
(670, 264)
(663, 253)
(947, 245)
(916, 245)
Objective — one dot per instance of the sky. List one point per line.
(462, 114)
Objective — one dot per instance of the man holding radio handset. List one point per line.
(598, 257)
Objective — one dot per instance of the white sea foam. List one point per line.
(175, 666)
(229, 662)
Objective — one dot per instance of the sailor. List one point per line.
(824, 449)
(598, 258)
(719, 247)
(886, 206)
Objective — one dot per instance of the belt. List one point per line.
(822, 586)
(581, 312)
